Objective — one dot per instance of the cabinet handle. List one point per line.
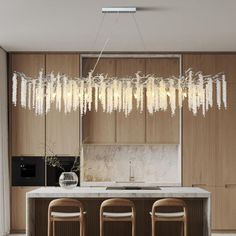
(198, 185)
(230, 185)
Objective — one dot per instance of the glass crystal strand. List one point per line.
(70, 94)
(64, 79)
(148, 92)
(180, 93)
(102, 94)
(190, 90)
(218, 93)
(207, 97)
(75, 95)
(194, 99)
(203, 104)
(172, 97)
(120, 89)
(141, 97)
(96, 97)
(90, 91)
(58, 93)
(48, 96)
(23, 91)
(33, 92)
(81, 96)
(14, 89)
(52, 88)
(200, 91)
(123, 97)
(115, 94)
(130, 97)
(157, 102)
(29, 95)
(210, 92)
(224, 91)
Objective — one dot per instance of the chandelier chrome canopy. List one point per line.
(119, 94)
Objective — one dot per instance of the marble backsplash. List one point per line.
(150, 163)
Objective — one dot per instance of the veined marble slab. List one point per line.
(159, 163)
(101, 192)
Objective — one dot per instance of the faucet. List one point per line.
(131, 172)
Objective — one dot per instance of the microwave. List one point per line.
(28, 171)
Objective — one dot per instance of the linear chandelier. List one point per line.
(119, 94)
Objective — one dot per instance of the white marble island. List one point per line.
(198, 202)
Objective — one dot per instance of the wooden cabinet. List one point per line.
(63, 130)
(99, 127)
(162, 127)
(138, 127)
(27, 131)
(209, 143)
(18, 208)
(225, 210)
(130, 129)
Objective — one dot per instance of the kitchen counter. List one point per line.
(102, 192)
(198, 203)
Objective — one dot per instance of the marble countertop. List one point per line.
(101, 192)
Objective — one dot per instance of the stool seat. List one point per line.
(117, 215)
(169, 215)
(65, 214)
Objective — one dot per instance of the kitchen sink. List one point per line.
(133, 188)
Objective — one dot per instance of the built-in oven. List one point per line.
(54, 172)
(28, 171)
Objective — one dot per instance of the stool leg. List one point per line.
(101, 228)
(84, 226)
(49, 227)
(153, 227)
(185, 228)
(133, 227)
(53, 228)
(81, 227)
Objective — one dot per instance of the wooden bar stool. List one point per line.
(78, 215)
(115, 216)
(180, 216)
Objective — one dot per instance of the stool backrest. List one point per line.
(65, 202)
(169, 202)
(117, 202)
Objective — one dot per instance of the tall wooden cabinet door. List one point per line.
(225, 208)
(99, 126)
(227, 125)
(130, 129)
(18, 208)
(63, 130)
(162, 127)
(27, 130)
(200, 134)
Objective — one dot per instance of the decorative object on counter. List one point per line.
(68, 172)
(68, 180)
(116, 94)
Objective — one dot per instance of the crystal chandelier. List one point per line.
(118, 94)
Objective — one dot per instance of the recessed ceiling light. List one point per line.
(118, 9)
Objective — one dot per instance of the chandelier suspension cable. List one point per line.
(139, 31)
(106, 42)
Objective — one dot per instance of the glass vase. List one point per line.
(68, 180)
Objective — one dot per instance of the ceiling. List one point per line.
(72, 25)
